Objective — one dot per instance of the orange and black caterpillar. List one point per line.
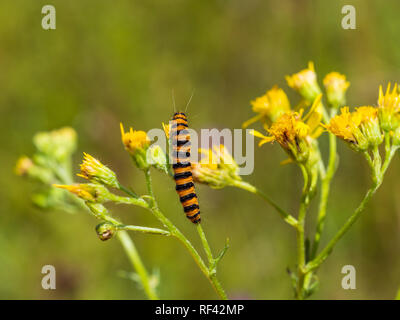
(180, 141)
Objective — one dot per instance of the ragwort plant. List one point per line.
(51, 166)
(364, 130)
(296, 130)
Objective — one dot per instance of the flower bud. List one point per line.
(367, 118)
(217, 169)
(336, 87)
(26, 167)
(272, 105)
(23, 166)
(105, 230)
(389, 108)
(94, 171)
(305, 83)
(88, 192)
(157, 158)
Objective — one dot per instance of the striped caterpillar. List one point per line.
(180, 141)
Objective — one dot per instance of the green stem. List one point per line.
(128, 200)
(137, 263)
(187, 244)
(301, 252)
(378, 174)
(314, 264)
(325, 189)
(144, 229)
(248, 187)
(127, 191)
(129, 248)
(377, 164)
(206, 246)
(390, 151)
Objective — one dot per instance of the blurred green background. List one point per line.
(112, 61)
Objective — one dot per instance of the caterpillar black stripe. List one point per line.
(180, 142)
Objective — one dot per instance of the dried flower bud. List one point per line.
(105, 230)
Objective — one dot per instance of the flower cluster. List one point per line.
(49, 165)
(364, 128)
(360, 129)
(296, 133)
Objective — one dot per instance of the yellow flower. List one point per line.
(291, 133)
(294, 132)
(24, 164)
(305, 83)
(342, 126)
(336, 87)
(134, 140)
(389, 108)
(360, 129)
(368, 120)
(93, 170)
(136, 143)
(87, 192)
(217, 168)
(270, 106)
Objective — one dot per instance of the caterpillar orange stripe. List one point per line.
(180, 141)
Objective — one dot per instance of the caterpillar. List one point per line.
(180, 141)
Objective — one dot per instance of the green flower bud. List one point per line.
(157, 158)
(58, 144)
(336, 87)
